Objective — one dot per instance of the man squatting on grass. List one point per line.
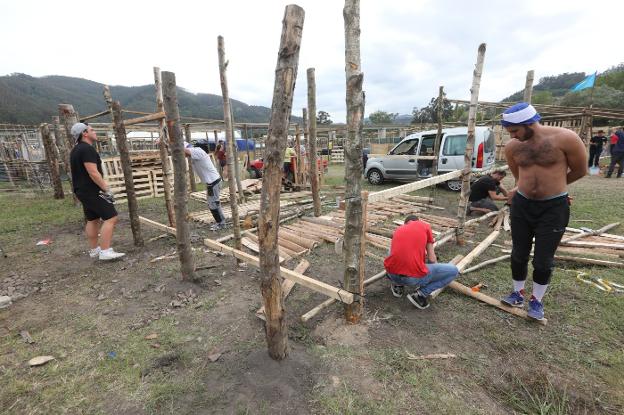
(207, 172)
(484, 191)
(93, 192)
(543, 160)
(411, 246)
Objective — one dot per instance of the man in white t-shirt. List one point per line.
(207, 172)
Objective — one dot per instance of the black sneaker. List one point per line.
(418, 299)
(397, 290)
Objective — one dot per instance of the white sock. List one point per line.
(539, 290)
(518, 285)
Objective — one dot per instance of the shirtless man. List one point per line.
(543, 160)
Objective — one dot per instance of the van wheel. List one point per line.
(454, 185)
(375, 177)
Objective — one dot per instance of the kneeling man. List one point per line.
(411, 247)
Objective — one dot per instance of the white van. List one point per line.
(400, 163)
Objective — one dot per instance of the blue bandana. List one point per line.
(521, 113)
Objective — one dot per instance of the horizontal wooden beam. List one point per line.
(318, 286)
(146, 118)
(410, 187)
(90, 117)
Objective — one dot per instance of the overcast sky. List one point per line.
(408, 48)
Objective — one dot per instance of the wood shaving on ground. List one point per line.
(411, 356)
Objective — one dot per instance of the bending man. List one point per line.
(205, 169)
(543, 160)
(411, 246)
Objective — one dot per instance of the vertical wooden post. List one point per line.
(67, 118)
(307, 174)
(472, 114)
(268, 218)
(52, 157)
(126, 167)
(229, 138)
(438, 139)
(162, 149)
(353, 160)
(236, 160)
(314, 181)
(244, 130)
(176, 141)
(298, 169)
(528, 86)
(187, 134)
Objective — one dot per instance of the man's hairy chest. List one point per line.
(543, 154)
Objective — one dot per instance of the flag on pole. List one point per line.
(588, 82)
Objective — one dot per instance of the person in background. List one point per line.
(221, 158)
(595, 148)
(617, 155)
(484, 191)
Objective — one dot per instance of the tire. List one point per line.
(453, 185)
(375, 177)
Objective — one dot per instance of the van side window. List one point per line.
(406, 147)
(426, 148)
(455, 145)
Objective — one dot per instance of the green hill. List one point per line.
(608, 91)
(28, 100)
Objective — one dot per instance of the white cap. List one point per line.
(78, 129)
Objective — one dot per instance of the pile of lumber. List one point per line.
(250, 187)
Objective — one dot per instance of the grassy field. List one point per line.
(94, 319)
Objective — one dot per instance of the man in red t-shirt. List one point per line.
(412, 245)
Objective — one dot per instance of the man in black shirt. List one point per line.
(93, 192)
(595, 148)
(484, 191)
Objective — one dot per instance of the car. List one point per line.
(401, 164)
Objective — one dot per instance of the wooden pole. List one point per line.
(162, 149)
(528, 86)
(306, 137)
(126, 167)
(314, 181)
(191, 173)
(52, 159)
(244, 130)
(229, 138)
(354, 213)
(467, 170)
(67, 118)
(268, 218)
(438, 139)
(236, 160)
(298, 180)
(176, 141)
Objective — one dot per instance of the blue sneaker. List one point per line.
(515, 299)
(536, 309)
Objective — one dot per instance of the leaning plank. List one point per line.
(319, 286)
(478, 250)
(287, 286)
(491, 301)
(310, 314)
(410, 187)
(485, 263)
(596, 232)
(158, 225)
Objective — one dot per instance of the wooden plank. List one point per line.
(315, 285)
(139, 120)
(592, 233)
(478, 250)
(287, 285)
(158, 225)
(410, 187)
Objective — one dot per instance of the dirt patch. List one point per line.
(337, 332)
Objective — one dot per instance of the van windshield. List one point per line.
(455, 145)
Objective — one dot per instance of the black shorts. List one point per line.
(96, 207)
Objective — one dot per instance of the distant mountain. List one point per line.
(28, 100)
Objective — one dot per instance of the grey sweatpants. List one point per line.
(212, 197)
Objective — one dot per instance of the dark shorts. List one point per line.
(223, 162)
(486, 203)
(95, 207)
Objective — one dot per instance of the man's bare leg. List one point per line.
(91, 229)
(106, 232)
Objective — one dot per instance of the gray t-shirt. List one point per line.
(203, 166)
